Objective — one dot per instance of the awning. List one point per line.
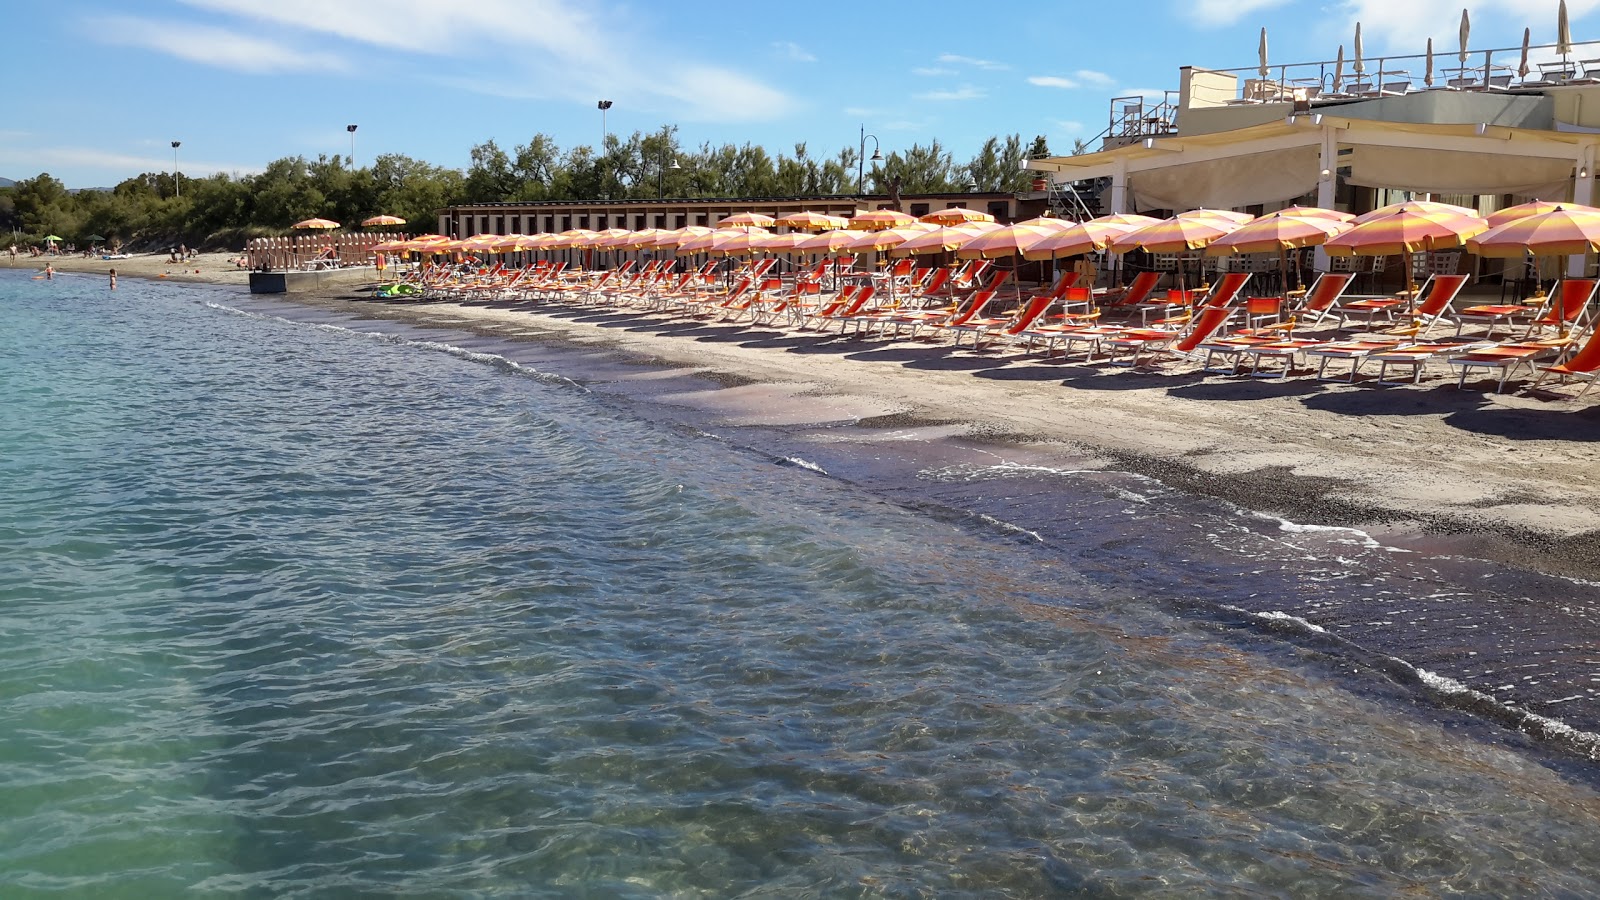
(1270, 177)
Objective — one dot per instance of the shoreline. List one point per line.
(1491, 496)
(1499, 477)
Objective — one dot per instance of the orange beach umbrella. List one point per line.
(957, 215)
(1420, 207)
(1276, 232)
(747, 219)
(1406, 232)
(879, 219)
(827, 241)
(1078, 238)
(1533, 208)
(811, 221)
(383, 220)
(315, 224)
(1560, 232)
(940, 240)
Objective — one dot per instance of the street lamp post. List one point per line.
(352, 130)
(177, 190)
(661, 174)
(877, 156)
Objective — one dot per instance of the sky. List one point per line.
(100, 90)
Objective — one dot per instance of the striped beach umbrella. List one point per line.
(879, 219)
(940, 240)
(812, 221)
(1133, 219)
(1406, 232)
(957, 215)
(747, 220)
(1010, 240)
(1278, 233)
(1175, 235)
(1047, 223)
(382, 220)
(1534, 208)
(677, 237)
(738, 241)
(1078, 238)
(1423, 207)
(316, 224)
(1315, 212)
(828, 241)
(1561, 231)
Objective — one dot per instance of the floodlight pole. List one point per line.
(352, 130)
(177, 190)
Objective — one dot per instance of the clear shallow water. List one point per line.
(290, 610)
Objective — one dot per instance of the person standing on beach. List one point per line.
(113, 279)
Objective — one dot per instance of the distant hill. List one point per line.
(6, 182)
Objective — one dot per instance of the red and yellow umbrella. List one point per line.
(736, 241)
(1176, 235)
(957, 215)
(1315, 212)
(1406, 232)
(747, 220)
(1077, 238)
(1421, 207)
(1558, 232)
(1277, 232)
(879, 219)
(828, 241)
(885, 239)
(1533, 208)
(1010, 240)
(315, 224)
(677, 237)
(1226, 215)
(1048, 223)
(811, 221)
(1133, 219)
(940, 240)
(1281, 233)
(383, 220)
(785, 243)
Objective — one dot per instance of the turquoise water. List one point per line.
(292, 610)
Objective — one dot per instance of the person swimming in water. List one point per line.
(113, 279)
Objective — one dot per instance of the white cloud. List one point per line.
(965, 92)
(1156, 93)
(550, 40)
(45, 158)
(794, 51)
(211, 46)
(1069, 127)
(862, 112)
(930, 71)
(1390, 27)
(955, 60)
(1051, 81)
(1098, 79)
(1222, 13)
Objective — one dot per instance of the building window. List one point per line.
(919, 209)
(1000, 209)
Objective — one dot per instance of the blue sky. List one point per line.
(105, 87)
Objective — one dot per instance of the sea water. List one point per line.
(299, 610)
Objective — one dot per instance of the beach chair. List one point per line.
(1024, 318)
(1417, 355)
(1570, 310)
(1154, 341)
(1137, 292)
(849, 311)
(1324, 295)
(1583, 365)
(1507, 357)
(1432, 303)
